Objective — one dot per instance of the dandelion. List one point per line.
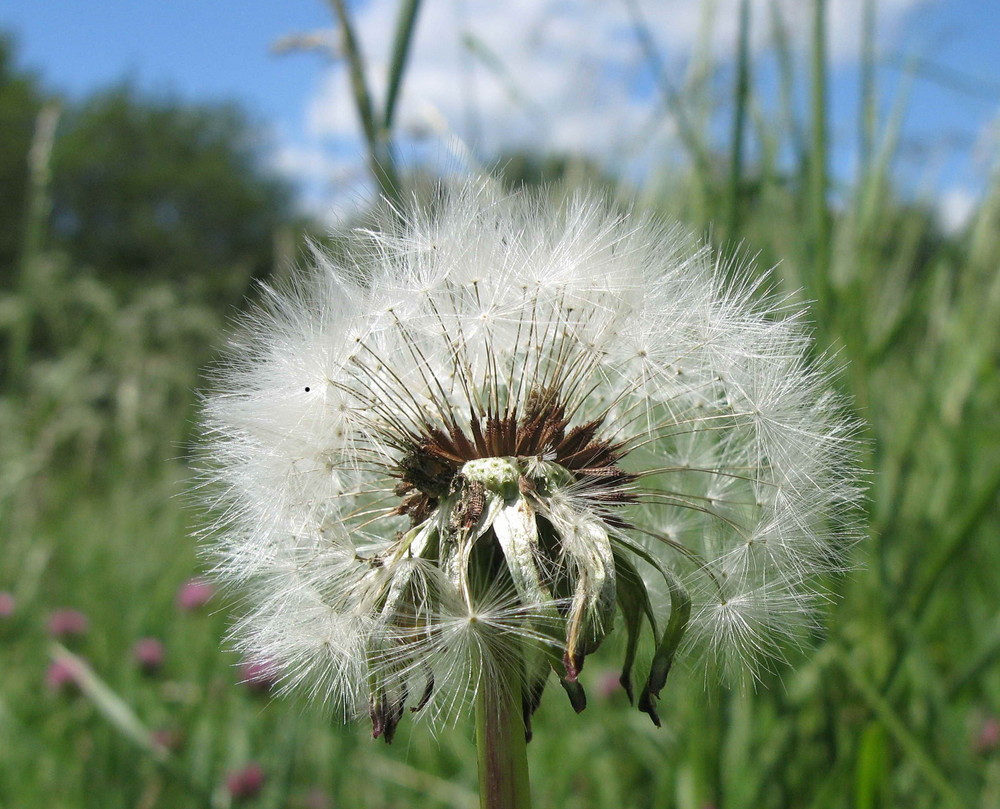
(445, 464)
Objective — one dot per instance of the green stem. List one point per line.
(400, 50)
(503, 761)
(673, 103)
(38, 203)
(381, 161)
(742, 91)
(867, 129)
(818, 158)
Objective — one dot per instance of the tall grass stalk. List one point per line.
(818, 181)
(38, 206)
(405, 24)
(672, 100)
(741, 97)
(381, 161)
(866, 117)
(789, 128)
(377, 126)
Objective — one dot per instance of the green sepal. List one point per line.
(633, 600)
(592, 611)
(419, 542)
(536, 675)
(516, 531)
(577, 696)
(663, 658)
(680, 612)
(456, 546)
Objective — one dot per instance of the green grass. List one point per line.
(882, 711)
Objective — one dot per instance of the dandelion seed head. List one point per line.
(457, 453)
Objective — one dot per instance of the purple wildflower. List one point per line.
(317, 799)
(987, 738)
(167, 738)
(148, 654)
(194, 594)
(258, 676)
(62, 676)
(68, 623)
(245, 783)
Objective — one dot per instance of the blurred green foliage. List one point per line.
(20, 100)
(141, 190)
(129, 228)
(896, 704)
(151, 190)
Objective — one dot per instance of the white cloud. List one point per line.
(330, 187)
(555, 75)
(955, 208)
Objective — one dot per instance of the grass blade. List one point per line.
(405, 26)
(903, 736)
(380, 159)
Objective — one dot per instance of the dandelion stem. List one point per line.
(500, 741)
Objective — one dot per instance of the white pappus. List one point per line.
(460, 451)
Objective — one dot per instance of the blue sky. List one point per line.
(572, 77)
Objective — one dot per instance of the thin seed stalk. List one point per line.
(502, 749)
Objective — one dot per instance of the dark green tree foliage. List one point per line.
(523, 169)
(153, 189)
(20, 100)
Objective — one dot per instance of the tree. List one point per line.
(152, 189)
(20, 100)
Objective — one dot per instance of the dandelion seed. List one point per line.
(455, 457)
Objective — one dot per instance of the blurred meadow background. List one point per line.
(157, 160)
